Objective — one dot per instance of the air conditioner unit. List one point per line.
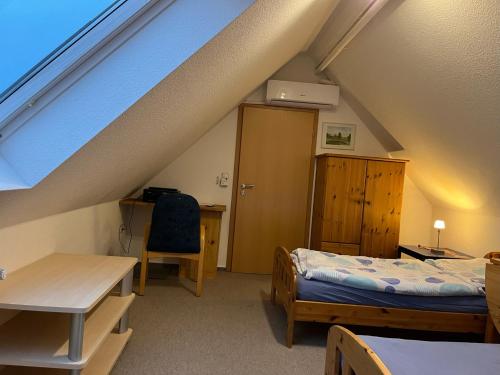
(305, 95)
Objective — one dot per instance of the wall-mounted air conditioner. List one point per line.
(298, 94)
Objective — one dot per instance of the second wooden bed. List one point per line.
(348, 353)
(284, 289)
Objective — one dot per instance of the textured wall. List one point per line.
(177, 112)
(473, 233)
(91, 230)
(429, 72)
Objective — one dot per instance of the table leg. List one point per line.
(76, 336)
(125, 290)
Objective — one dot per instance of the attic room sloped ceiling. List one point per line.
(176, 112)
(64, 105)
(429, 72)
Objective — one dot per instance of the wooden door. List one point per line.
(382, 212)
(276, 152)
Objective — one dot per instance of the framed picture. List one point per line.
(340, 136)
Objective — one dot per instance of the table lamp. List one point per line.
(439, 224)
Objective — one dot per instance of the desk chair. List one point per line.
(174, 232)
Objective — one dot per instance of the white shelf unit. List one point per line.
(67, 315)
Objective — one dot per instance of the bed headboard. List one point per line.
(493, 291)
(492, 254)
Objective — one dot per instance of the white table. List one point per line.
(67, 314)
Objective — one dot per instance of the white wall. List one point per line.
(194, 172)
(92, 230)
(416, 216)
(475, 234)
(365, 143)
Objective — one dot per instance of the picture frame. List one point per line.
(338, 135)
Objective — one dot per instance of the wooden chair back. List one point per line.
(175, 224)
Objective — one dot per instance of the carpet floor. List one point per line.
(232, 329)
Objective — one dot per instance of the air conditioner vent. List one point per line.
(305, 95)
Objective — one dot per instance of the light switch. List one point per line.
(223, 179)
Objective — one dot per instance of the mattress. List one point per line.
(411, 357)
(321, 291)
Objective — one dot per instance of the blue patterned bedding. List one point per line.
(471, 270)
(400, 276)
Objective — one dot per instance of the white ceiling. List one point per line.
(429, 72)
(177, 112)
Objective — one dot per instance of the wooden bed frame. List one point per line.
(359, 358)
(284, 288)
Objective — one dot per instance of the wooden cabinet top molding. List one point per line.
(361, 157)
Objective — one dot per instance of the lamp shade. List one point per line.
(439, 224)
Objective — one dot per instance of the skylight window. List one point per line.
(35, 32)
(87, 63)
(43, 42)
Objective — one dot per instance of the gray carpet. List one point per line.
(231, 329)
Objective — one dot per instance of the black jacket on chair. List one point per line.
(175, 225)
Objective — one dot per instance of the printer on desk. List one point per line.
(151, 194)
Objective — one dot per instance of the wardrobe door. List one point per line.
(319, 203)
(343, 208)
(382, 210)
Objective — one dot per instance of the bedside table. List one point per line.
(422, 253)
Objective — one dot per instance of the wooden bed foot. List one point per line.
(289, 333)
(283, 288)
(491, 335)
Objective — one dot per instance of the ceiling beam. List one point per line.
(366, 15)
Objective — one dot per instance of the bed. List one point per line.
(367, 355)
(288, 288)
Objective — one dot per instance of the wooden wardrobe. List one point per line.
(357, 205)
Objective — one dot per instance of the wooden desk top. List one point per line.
(63, 283)
(140, 202)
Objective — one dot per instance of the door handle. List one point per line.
(245, 187)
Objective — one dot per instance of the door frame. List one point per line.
(234, 196)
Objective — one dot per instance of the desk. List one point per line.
(422, 253)
(67, 314)
(211, 216)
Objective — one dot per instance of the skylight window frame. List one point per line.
(27, 99)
